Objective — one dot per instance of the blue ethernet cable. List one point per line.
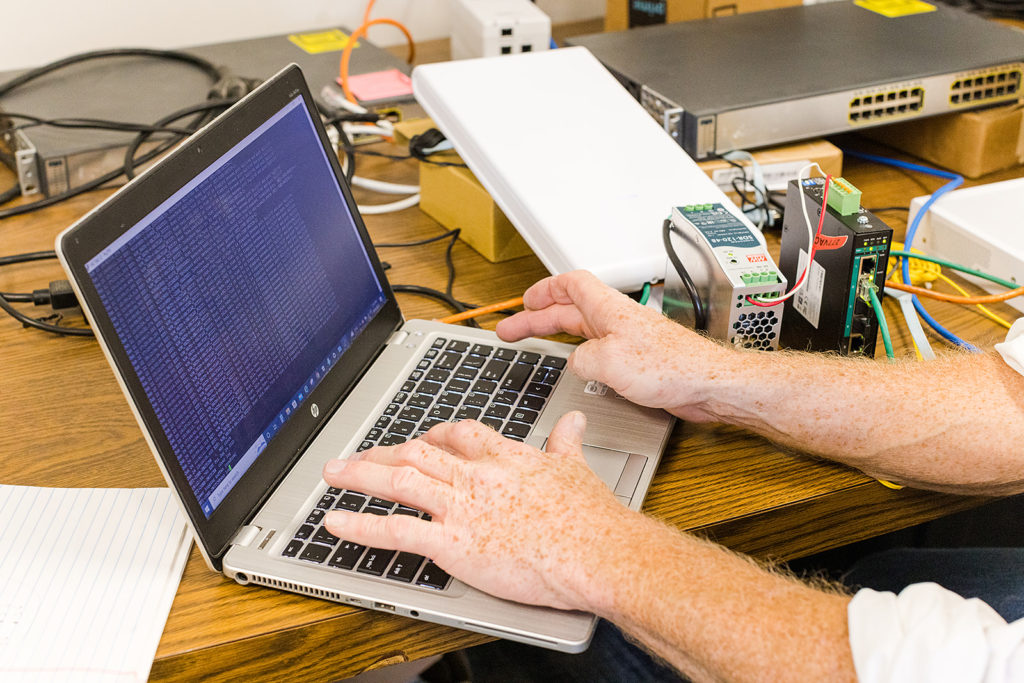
(955, 181)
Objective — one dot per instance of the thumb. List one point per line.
(567, 436)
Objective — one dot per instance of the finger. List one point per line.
(396, 532)
(539, 323)
(404, 484)
(466, 439)
(592, 358)
(566, 437)
(429, 460)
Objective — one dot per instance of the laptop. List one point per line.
(239, 300)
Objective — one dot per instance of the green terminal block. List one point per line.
(843, 197)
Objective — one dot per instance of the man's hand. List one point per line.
(508, 519)
(642, 355)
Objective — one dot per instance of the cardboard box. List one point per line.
(453, 197)
(623, 14)
(779, 165)
(972, 143)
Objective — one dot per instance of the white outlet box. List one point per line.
(490, 28)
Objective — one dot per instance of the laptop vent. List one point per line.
(298, 588)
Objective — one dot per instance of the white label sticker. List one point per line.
(595, 388)
(776, 176)
(808, 300)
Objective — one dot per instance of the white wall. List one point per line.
(39, 31)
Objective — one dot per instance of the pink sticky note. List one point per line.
(380, 85)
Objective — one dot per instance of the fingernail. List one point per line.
(579, 422)
(335, 466)
(333, 518)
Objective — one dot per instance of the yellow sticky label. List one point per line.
(321, 41)
(895, 8)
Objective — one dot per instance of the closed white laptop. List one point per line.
(240, 302)
(579, 167)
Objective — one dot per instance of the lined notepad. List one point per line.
(87, 577)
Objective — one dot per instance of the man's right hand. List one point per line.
(640, 354)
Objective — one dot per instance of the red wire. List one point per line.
(814, 249)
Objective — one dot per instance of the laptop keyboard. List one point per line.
(455, 380)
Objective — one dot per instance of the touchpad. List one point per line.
(608, 464)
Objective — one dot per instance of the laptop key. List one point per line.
(406, 510)
(477, 400)
(375, 561)
(427, 387)
(315, 517)
(380, 512)
(374, 434)
(400, 397)
(412, 414)
(347, 555)
(392, 439)
(498, 410)
(553, 362)
(381, 503)
(415, 375)
(459, 346)
(449, 398)
(538, 389)
(350, 501)
(333, 490)
(433, 576)
(423, 364)
(441, 412)
(448, 360)
(324, 536)
(304, 531)
(468, 413)
(516, 430)
(517, 377)
(465, 372)
(392, 409)
(532, 402)
(365, 445)
(492, 422)
(495, 369)
(529, 357)
(546, 375)
(325, 502)
(403, 427)
(506, 397)
(431, 353)
(405, 566)
(459, 386)
(382, 422)
(408, 385)
(292, 549)
(523, 415)
(474, 361)
(420, 401)
(505, 354)
(485, 386)
(315, 553)
(438, 343)
(481, 349)
(438, 375)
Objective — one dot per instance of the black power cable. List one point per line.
(700, 317)
(38, 297)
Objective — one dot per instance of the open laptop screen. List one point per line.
(236, 295)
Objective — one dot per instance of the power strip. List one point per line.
(978, 227)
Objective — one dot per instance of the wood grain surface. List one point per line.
(64, 422)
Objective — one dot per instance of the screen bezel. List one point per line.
(136, 200)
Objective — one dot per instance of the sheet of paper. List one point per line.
(87, 577)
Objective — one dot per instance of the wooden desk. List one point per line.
(64, 422)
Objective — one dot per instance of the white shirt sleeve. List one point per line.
(1012, 349)
(927, 633)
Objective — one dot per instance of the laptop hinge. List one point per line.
(398, 338)
(246, 535)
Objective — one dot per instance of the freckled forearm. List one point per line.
(950, 424)
(718, 616)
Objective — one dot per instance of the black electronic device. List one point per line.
(764, 78)
(141, 89)
(832, 310)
